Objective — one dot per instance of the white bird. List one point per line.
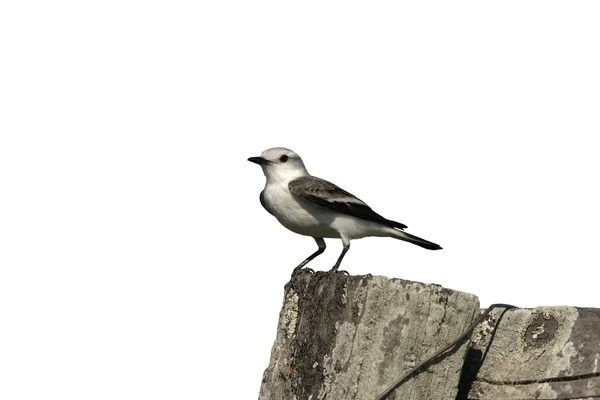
(311, 206)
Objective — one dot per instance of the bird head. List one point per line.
(280, 164)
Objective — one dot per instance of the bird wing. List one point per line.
(326, 194)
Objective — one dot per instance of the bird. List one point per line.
(312, 206)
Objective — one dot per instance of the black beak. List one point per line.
(258, 160)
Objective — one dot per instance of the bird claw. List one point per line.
(335, 270)
(297, 271)
(300, 269)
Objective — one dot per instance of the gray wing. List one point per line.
(326, 194)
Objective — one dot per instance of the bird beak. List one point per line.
(259, 160)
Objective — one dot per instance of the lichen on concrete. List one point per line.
(289, 314)
(531, 338)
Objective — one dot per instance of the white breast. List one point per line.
(296, 214)
(306, 218)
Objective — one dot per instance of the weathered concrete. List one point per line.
(349, 337)
(541, 353)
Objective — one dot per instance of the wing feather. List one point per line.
(326, 194)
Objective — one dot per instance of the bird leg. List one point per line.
(339, 261)
(322, 246)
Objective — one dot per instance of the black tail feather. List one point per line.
(417, 240)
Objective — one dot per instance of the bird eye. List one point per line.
(283, 158)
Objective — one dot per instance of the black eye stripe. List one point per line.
(283, 158)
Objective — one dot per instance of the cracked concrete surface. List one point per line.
(350, 337)
(355, 335)
(541, 353)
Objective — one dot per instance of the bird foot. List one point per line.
(297, 271)
(300, 269)
(335, 270)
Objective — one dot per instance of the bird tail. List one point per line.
(415, 240)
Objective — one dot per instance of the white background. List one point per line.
(136, 260)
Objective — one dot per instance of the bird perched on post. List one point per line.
(311, 206)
